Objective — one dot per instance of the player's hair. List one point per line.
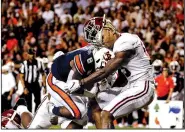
(109, 25)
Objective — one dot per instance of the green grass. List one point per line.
(93, 127)
(55, 127)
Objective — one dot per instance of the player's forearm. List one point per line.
(44, 80)
(22, 81)
(97, 76)
(11, 91)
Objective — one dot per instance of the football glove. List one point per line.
(72, 86)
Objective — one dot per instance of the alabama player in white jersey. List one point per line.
(131, 55)
(17, 118)
(105, 92)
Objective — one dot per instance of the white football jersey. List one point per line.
(11, 119)
(21, 109)
(138, 66)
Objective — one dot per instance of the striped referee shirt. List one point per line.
(31, 70)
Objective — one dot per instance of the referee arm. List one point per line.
(21, 76)
(43, 77)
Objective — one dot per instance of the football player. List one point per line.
(100, 58)
(157, 67)
(178, 80)
(65, 68)
(131, 55)
(17, 118)
(105, 92)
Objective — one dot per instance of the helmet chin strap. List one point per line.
(99, 37)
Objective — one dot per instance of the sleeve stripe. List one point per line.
(81, 62)
(78, 65)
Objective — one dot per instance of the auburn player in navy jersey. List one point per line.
(76, 65)
(177, 79)
(65, 68)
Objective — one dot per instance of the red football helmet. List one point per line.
(92, 30)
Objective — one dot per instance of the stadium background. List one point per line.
(49, 26)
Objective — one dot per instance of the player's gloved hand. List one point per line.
(72, 86)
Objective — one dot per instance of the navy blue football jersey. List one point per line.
(83, 60)
(178, 82)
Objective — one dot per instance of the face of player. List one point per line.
(108, 38)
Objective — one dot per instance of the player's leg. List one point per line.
(104, 98)
(72, 124)
(96, 112)
(41, 117)
(28, 99)
(72, 106)
(137, 96)
(61, 111)
(37, 95)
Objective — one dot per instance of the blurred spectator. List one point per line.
(8, 87)
(48, 14)
(11, 42)
(66, 17)
(165, 86)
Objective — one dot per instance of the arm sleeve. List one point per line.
(126, 42)
(79, 64)
(124, 46)
(84, 63)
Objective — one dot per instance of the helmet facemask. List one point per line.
(93, 30)
(174, 66)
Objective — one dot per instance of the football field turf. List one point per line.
(93, 127)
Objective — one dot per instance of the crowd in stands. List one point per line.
(49, 26)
